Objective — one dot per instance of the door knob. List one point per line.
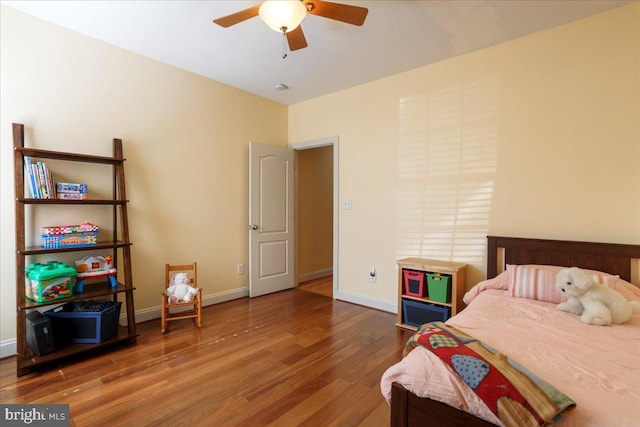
(253, 227)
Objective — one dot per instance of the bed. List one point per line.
(596, 366)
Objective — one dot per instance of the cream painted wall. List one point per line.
(315, 210)
(546, 128)
(185, 139)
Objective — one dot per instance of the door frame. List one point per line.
(315, 143)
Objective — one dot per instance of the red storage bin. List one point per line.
(414, 283)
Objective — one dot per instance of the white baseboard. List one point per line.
(10, 348)
(366, 301)
(155, 312)
(312, 275)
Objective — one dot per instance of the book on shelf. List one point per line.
(41, 181)
(48, 184)
(29, 178)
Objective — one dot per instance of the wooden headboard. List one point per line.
(608, 257)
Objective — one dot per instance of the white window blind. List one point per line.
(447, 164)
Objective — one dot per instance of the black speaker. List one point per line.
(39, 333)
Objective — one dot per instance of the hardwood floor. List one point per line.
(321, 286)
(285, 359)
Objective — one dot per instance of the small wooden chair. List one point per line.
(195, 312)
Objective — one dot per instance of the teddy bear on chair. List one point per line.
(595, 303)
(180, 290)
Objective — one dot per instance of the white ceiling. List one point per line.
(396, 36)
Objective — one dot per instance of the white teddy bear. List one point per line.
(179, 289)
(595, 303)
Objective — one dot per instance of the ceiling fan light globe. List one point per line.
(282, 14)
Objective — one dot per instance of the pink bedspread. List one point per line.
(596, 366)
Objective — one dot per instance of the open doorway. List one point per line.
(315, 228)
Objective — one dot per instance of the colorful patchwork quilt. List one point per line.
(515, 395)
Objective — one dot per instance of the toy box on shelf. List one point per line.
(46, 282)
(71, 188)
(65, 236)
(71, 191)
(95, 267)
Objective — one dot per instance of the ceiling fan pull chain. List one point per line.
(284, 43)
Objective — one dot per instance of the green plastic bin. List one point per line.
(50, 281)
(439, 287)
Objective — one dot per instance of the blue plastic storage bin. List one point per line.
(416, 313)
(84, 322)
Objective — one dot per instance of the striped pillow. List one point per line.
(538, 282)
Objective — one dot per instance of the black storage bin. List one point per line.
(39, 333)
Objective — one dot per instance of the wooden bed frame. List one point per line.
(407, 409)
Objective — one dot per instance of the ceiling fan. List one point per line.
(285, 16)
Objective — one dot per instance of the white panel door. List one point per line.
(271, 228)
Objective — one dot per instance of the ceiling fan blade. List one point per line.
(296, 39)
(236, 18)
(354, 15)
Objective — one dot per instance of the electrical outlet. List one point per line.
(240, 268)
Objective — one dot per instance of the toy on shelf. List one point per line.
(95, 267)
(45, 282)
(65, 236)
